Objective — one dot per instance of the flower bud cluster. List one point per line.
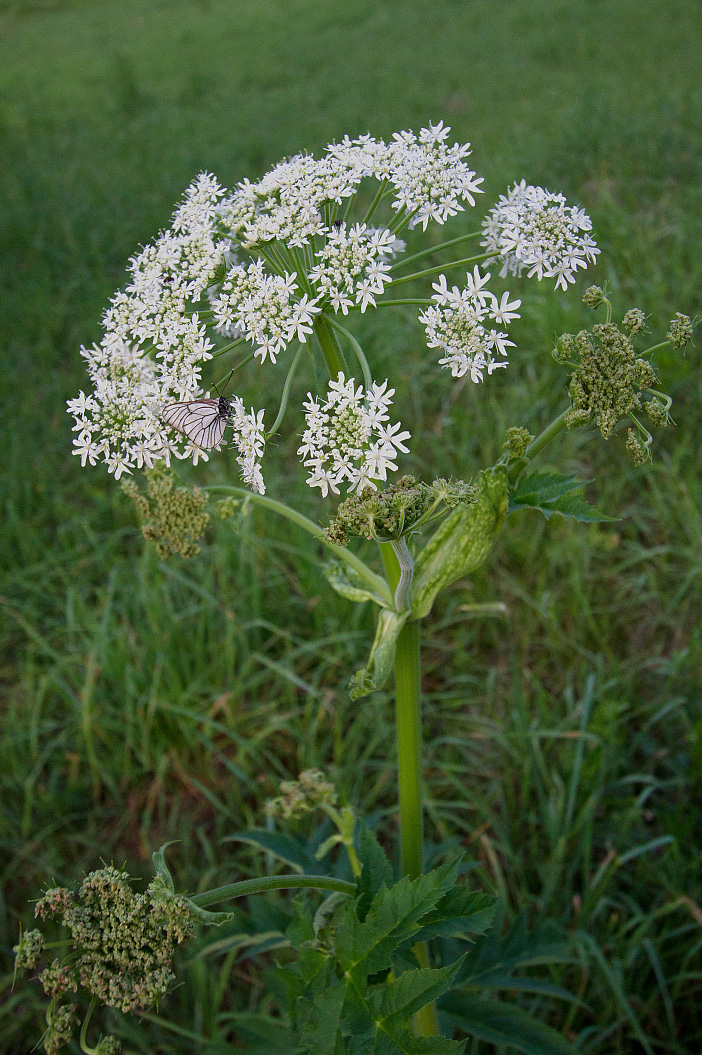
(173, 517)
(122, 942)
(397, 511)
(608, 380)
(298, 797)
(347, 437)
(680, 332)
(60, 1022)
(532, 228)
(456, 324)
(517, 442)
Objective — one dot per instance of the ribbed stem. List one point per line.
(331, 349)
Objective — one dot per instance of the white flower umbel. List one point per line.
(352, 266)
(347, 437)
(430, 178)
(265, 308)
(250, 441)
(459, 325)
(535, 229)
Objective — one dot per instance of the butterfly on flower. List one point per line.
(202, 420)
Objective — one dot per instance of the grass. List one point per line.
(148, 701)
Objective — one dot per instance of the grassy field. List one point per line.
(145, 701)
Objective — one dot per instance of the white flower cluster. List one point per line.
(456, 324)
(352, 265)
(347, 437)
(154, 344)
(431, 178)
(250, 441)
(533, 228)
(290, 203)
(264, 308)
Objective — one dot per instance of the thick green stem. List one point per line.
(331, 349)
(409, 747)
(404, 583)
(258, 885)
(409, 763)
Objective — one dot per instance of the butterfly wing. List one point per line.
(201, 420)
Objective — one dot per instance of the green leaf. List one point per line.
(382, 654)
(376, 870)
(552, 493)
(165, 880)
(364, 948)
(347, 582)
(284, 847)
(394, 1002)
(502, 1023)
(461, 912)
(462, 542)
(321, 1015)
(161, 868)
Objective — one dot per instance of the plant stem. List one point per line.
(331, 349)
(442, 267)
(404, 583)
(258, 885)
(409, 746)
(409, 761)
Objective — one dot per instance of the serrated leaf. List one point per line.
(534, 488)
(364, 948)
(462, 542)
(346, 581)
(461, 912)
(376, 870)
(552, 494)
(382, 654)
(321, 1015)
(286, 848)
(502, 1023)
(397, 1000)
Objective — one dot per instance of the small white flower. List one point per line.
(345, 439)
(455, 325)
(535, 229)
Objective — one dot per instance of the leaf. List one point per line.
(462, 542)
(552, 493)
(162, 870)
(382, 654)
(396, 1001)
(459, 913)
(376, 870)
(321, 1016)
(286, 848)
(364, 948)
(164, 879)
(502, 1023)
(496, 954)
(346, 581)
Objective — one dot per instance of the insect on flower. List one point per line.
(202, 420)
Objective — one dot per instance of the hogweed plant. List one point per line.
(275, 270)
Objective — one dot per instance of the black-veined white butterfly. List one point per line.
(202, 420)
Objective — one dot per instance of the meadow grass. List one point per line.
(147, 701)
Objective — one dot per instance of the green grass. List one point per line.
(148, 701)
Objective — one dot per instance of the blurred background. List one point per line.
(145, 701)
